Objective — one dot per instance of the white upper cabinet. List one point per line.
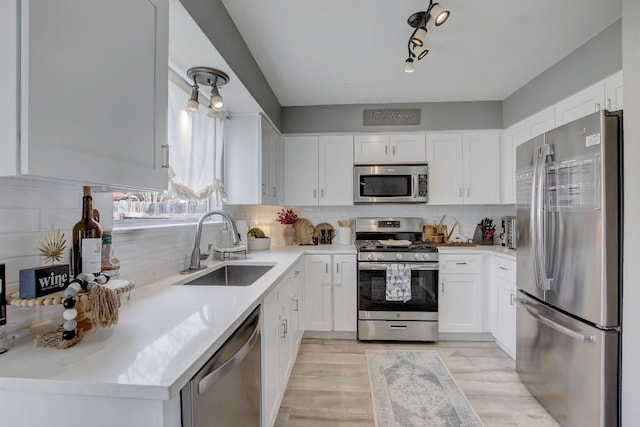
(394, 148)
(512, 137)
(464, 168)
(606, 94)
(613, 92)
(252, 158)
(318, 170)
(444, 156)
(92, 96)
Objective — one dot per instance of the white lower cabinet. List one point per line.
(503, 279)
(330, 293)
(460, 304)
(282, 332)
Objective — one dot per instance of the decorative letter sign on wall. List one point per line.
(391, 117)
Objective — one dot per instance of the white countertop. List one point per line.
(164, 335)
(494, 249)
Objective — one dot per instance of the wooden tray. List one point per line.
(304, 231)
(323, 226)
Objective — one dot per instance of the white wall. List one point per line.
(631, 266)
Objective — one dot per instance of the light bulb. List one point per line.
(193, 104)
(418, 36)
(409, 66)
(421, 52)
(439, 14)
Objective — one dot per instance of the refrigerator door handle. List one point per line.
(578, 335)
(537, 216)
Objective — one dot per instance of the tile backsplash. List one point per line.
(28, 207)
(468, 216)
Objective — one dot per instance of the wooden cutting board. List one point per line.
(304, 231)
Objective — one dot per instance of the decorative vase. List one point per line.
(289, 233)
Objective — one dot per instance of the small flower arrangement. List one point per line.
(287, 216)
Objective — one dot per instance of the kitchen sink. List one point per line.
(232, 275)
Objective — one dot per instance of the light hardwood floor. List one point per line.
(329, 384)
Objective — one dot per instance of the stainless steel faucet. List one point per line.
(196, 257)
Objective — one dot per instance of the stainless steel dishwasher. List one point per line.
(226, 391)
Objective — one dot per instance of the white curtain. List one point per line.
(195, 150)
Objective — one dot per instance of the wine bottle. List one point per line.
(87, 239)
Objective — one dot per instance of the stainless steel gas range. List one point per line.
(397, 281)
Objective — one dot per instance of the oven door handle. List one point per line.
(426, 266)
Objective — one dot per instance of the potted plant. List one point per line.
(287, 217)
(257, 240)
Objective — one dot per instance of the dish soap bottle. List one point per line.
(87, 239)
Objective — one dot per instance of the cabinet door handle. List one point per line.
(393, 150)
(442, 286)
(326, 268)
(468, 192)
(503, 268)
(322, 193)
(284, 329)
(459, 191)
(274, 191)
(511, 297)
(298, 305)
(597, 106)
(165, 148)
(315, 193)
(386, 150)
(608, 104)
(264, 189)
(461, 263)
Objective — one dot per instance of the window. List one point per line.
(196, 144)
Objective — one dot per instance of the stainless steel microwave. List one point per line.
(390, 184)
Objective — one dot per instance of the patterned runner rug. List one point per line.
(414, 388)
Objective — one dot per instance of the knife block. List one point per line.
(478, 237)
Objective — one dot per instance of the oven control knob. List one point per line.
(416, 256)
(398, 256)
(380, 257)
(370, 257)
(425, 256)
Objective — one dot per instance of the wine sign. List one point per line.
(40, 281)
(408, 116)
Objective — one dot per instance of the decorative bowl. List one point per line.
(258, 243)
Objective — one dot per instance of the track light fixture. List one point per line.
(419, 20)
(208, 77)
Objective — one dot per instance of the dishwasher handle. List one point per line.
(206, 382)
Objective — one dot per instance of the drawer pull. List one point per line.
(397, 326)
(461, 263)
(503, 268)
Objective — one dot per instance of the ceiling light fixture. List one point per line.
(207, 76)
(419, 21)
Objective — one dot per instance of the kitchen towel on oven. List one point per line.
(398, 282)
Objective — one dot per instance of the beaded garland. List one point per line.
(84, 282)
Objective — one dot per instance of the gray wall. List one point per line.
(214, 20)
(433, 116)
(593, 61)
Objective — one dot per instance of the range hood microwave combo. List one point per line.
(390, 183)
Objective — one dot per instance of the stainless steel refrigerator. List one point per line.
(569, 211)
